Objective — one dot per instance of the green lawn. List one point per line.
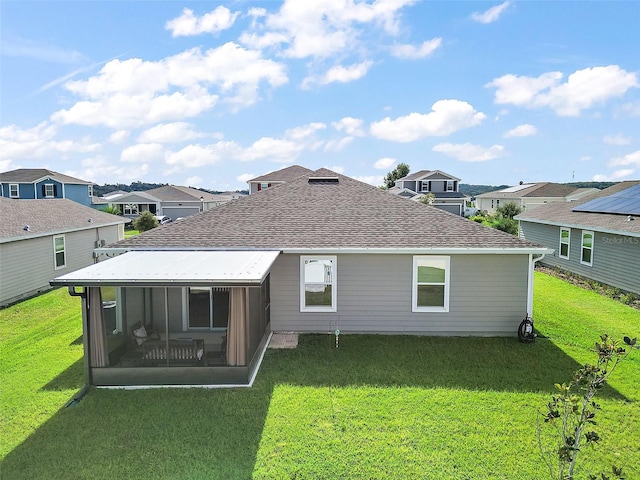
(377, 407)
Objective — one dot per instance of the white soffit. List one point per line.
(180, 268)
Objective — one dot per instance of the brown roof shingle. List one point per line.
(305, 215)
(284, 175)
(28, 175)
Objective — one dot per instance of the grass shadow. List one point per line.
(70, 378)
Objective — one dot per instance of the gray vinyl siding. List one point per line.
(615, 258)
(28, 265)
(488, 296)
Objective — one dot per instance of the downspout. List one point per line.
(85, 334)
(532, 266)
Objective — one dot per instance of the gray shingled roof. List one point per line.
(176, 193)
(423, 173)
(543, 189)
(48, 217)
(30, 175)
(304, 215)
(562, 213)
(284, 175)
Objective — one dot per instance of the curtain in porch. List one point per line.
(98, 338)
(237, 331)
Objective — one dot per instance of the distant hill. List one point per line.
(101, 190)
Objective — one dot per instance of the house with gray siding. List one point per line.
(315, 254)
(596, 244)
(42, 239)
(443, 186)
(40, 183)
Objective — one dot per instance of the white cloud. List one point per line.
(133, 93)
(618, 139)
(215, 21)
(467, 152)
(40, 142)
(275, 149)
(374, 180)
(338, 145)
(196, 155)
(321, 29)
(336, 168)
(490, 15)
(305, 131)
(524, 130)
(339, 74)
(632, 158)
(103, 170)
(412, 52)
(446, 117)
(194, 181)
(384, 163)
(169, 133)
(615, 176)
(245, 177)
(13, 46)
(119, 137)
(142, 152)
(352, 126)
(583, 89)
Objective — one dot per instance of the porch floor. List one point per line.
(284, 340)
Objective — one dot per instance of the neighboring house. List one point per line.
(531, 195)
(445, 187)
(319, 253)
(40, 183)
(598, 237)
(41, 239)
(170, 200)
(276, 178)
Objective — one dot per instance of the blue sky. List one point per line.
(211, 94)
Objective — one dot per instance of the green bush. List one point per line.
(146, 221)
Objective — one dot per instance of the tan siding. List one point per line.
(488, 296)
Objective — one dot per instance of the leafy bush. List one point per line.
(146, 221)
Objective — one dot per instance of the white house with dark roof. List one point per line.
(315, 254)
(42, 239)
(41, 183)
(597, 237)
(276, 178)
(170, 200)
(531, 195)
(445, 188)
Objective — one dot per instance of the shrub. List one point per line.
(146, 221)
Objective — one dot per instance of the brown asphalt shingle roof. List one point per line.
(300, 214)
(48, 216)
(545, 189)
(284, 175)
(176, 193)
(28, 175)
(562, 213)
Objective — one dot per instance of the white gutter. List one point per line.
(624, 233)
(532, 266)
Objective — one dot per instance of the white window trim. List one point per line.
(334, 284)
(53, 192)
(450, 182)
(568, 243)
(91, 190)
(55, 253)
(447, 277)
(17, 187)
(582, 247)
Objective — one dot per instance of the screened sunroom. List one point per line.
(174, 317)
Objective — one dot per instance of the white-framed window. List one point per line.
(208, 308)
(425, 186)
(130, 209)
(91, 190)
(318, 292)
(586, 255)
(14, 191)
(431, 283)
(449, 185)
(49, 190)
(565, 240)
(59, 252)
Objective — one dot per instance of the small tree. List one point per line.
(428, 199)
(572, 410)
(113, 209)
(509, 210)
(146, 221)
(402, 170)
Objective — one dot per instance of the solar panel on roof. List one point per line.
(625, 202)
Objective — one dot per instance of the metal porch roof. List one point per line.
(175, 268)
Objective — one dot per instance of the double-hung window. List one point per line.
(430, 283)
(130, 209)
(449, 185)
(586, 257)
(318, 283)
(49, 191)
(565, 240)
(59, 253)
(13, 190)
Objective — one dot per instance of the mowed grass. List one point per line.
(376, 407)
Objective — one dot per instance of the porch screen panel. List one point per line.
(97, 336)
(237, 332)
